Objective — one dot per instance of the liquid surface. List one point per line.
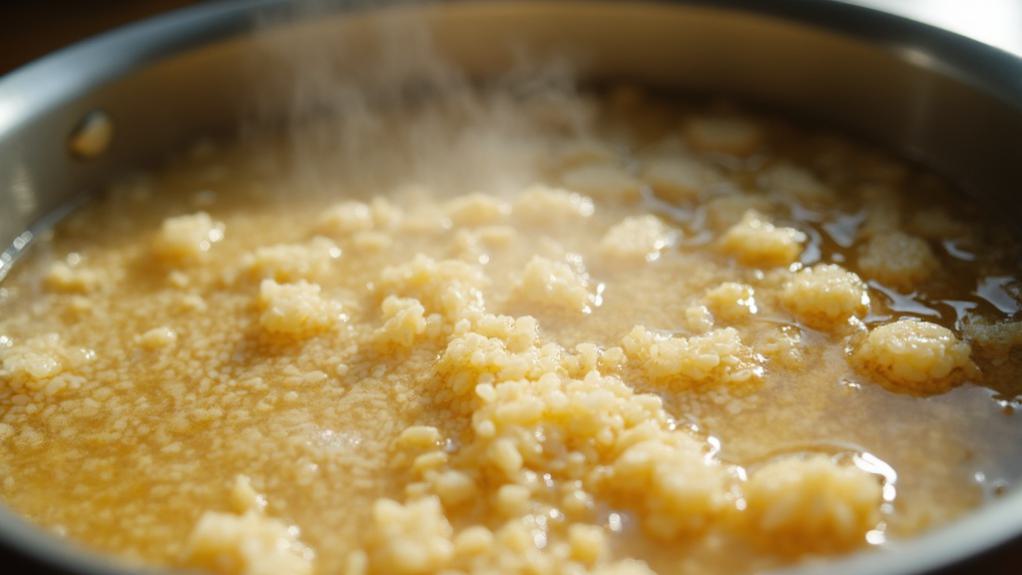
(571, 334)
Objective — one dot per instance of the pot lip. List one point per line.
(36, 88)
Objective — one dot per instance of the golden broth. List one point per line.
(565, 335)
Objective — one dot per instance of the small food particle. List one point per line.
(512, 500)
(248, 544)
(184, 238)
(295, 310)
(385, 214)
(715, 358)
(638, 238)
(915, 356)
(292, 262)
(784, 346)
(419, 437)
(898, 260)
(346, 218)
(812, 504)
(507, 459)
(448, 287)
(668, 476)
(732, 301)
(995, 347)
(542, 204)
(454, 488)
(995, 340)
(754, 241)
(68, 278)
(587, 543)
(698, 319)
(475, 540)
(36, 359)
(244, 497)
(415, 538)
(557, 284)
(404, 320)
(477, 210)
(825, 296)
(624, 567)
(158, 337)
(43, 364)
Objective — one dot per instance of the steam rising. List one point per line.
(376, 104)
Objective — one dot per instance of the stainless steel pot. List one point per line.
(946, 100)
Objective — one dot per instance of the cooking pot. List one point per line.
(72, 120)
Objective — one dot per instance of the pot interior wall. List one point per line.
(897, 96)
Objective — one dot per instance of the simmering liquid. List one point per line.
(611, 334)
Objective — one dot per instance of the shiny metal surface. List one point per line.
(994, 22)
(950, 102)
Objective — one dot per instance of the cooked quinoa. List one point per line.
(709, 343)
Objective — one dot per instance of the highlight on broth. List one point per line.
(513, 331)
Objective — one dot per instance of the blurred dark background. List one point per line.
(30, 29)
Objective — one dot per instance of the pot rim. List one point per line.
(34, 89)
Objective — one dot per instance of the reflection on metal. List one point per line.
(22, 191)
(41, 229)
(995, 22)
(8, 256)
(92, 136)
